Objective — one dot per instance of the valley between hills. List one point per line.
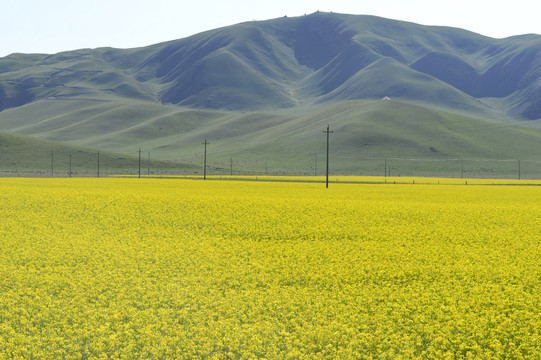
(261, 93)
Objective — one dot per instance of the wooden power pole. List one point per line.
(205, 160)
(327, 172)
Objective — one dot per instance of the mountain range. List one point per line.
(265, 89)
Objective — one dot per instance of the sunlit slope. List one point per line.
(264, 90)
(21, 154)
(388, 128)
(288, 140)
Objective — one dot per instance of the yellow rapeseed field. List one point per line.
(191, 269)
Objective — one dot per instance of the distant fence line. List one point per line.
(96, 165)
(82, 164)
(390, 166)
(442, 167)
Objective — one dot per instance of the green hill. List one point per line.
(280, 63)
(23, 155)
(261, 93)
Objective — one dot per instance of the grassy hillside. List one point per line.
(262, 92)
(287, 62)
(365, 131)
(28, 156)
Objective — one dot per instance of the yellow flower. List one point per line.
(181, 269)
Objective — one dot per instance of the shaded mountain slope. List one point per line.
(283, 62)
(268, 87)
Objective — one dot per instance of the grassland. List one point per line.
(28, 156)
(365, 132)
(261, 92)
(146, 268)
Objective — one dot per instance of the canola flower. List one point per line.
(181, 269)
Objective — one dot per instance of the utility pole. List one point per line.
(205, 160)
(70, 165)
(519, 169)
(52, 163)
(315, 164)
(231, 166)
(139, 163)
(327, 172)
(98, 164)
(148, 164)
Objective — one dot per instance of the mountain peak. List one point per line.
(280, 63)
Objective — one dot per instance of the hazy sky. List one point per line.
(50, 26)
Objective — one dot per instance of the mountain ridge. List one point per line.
(263, 60)
(263, 77)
